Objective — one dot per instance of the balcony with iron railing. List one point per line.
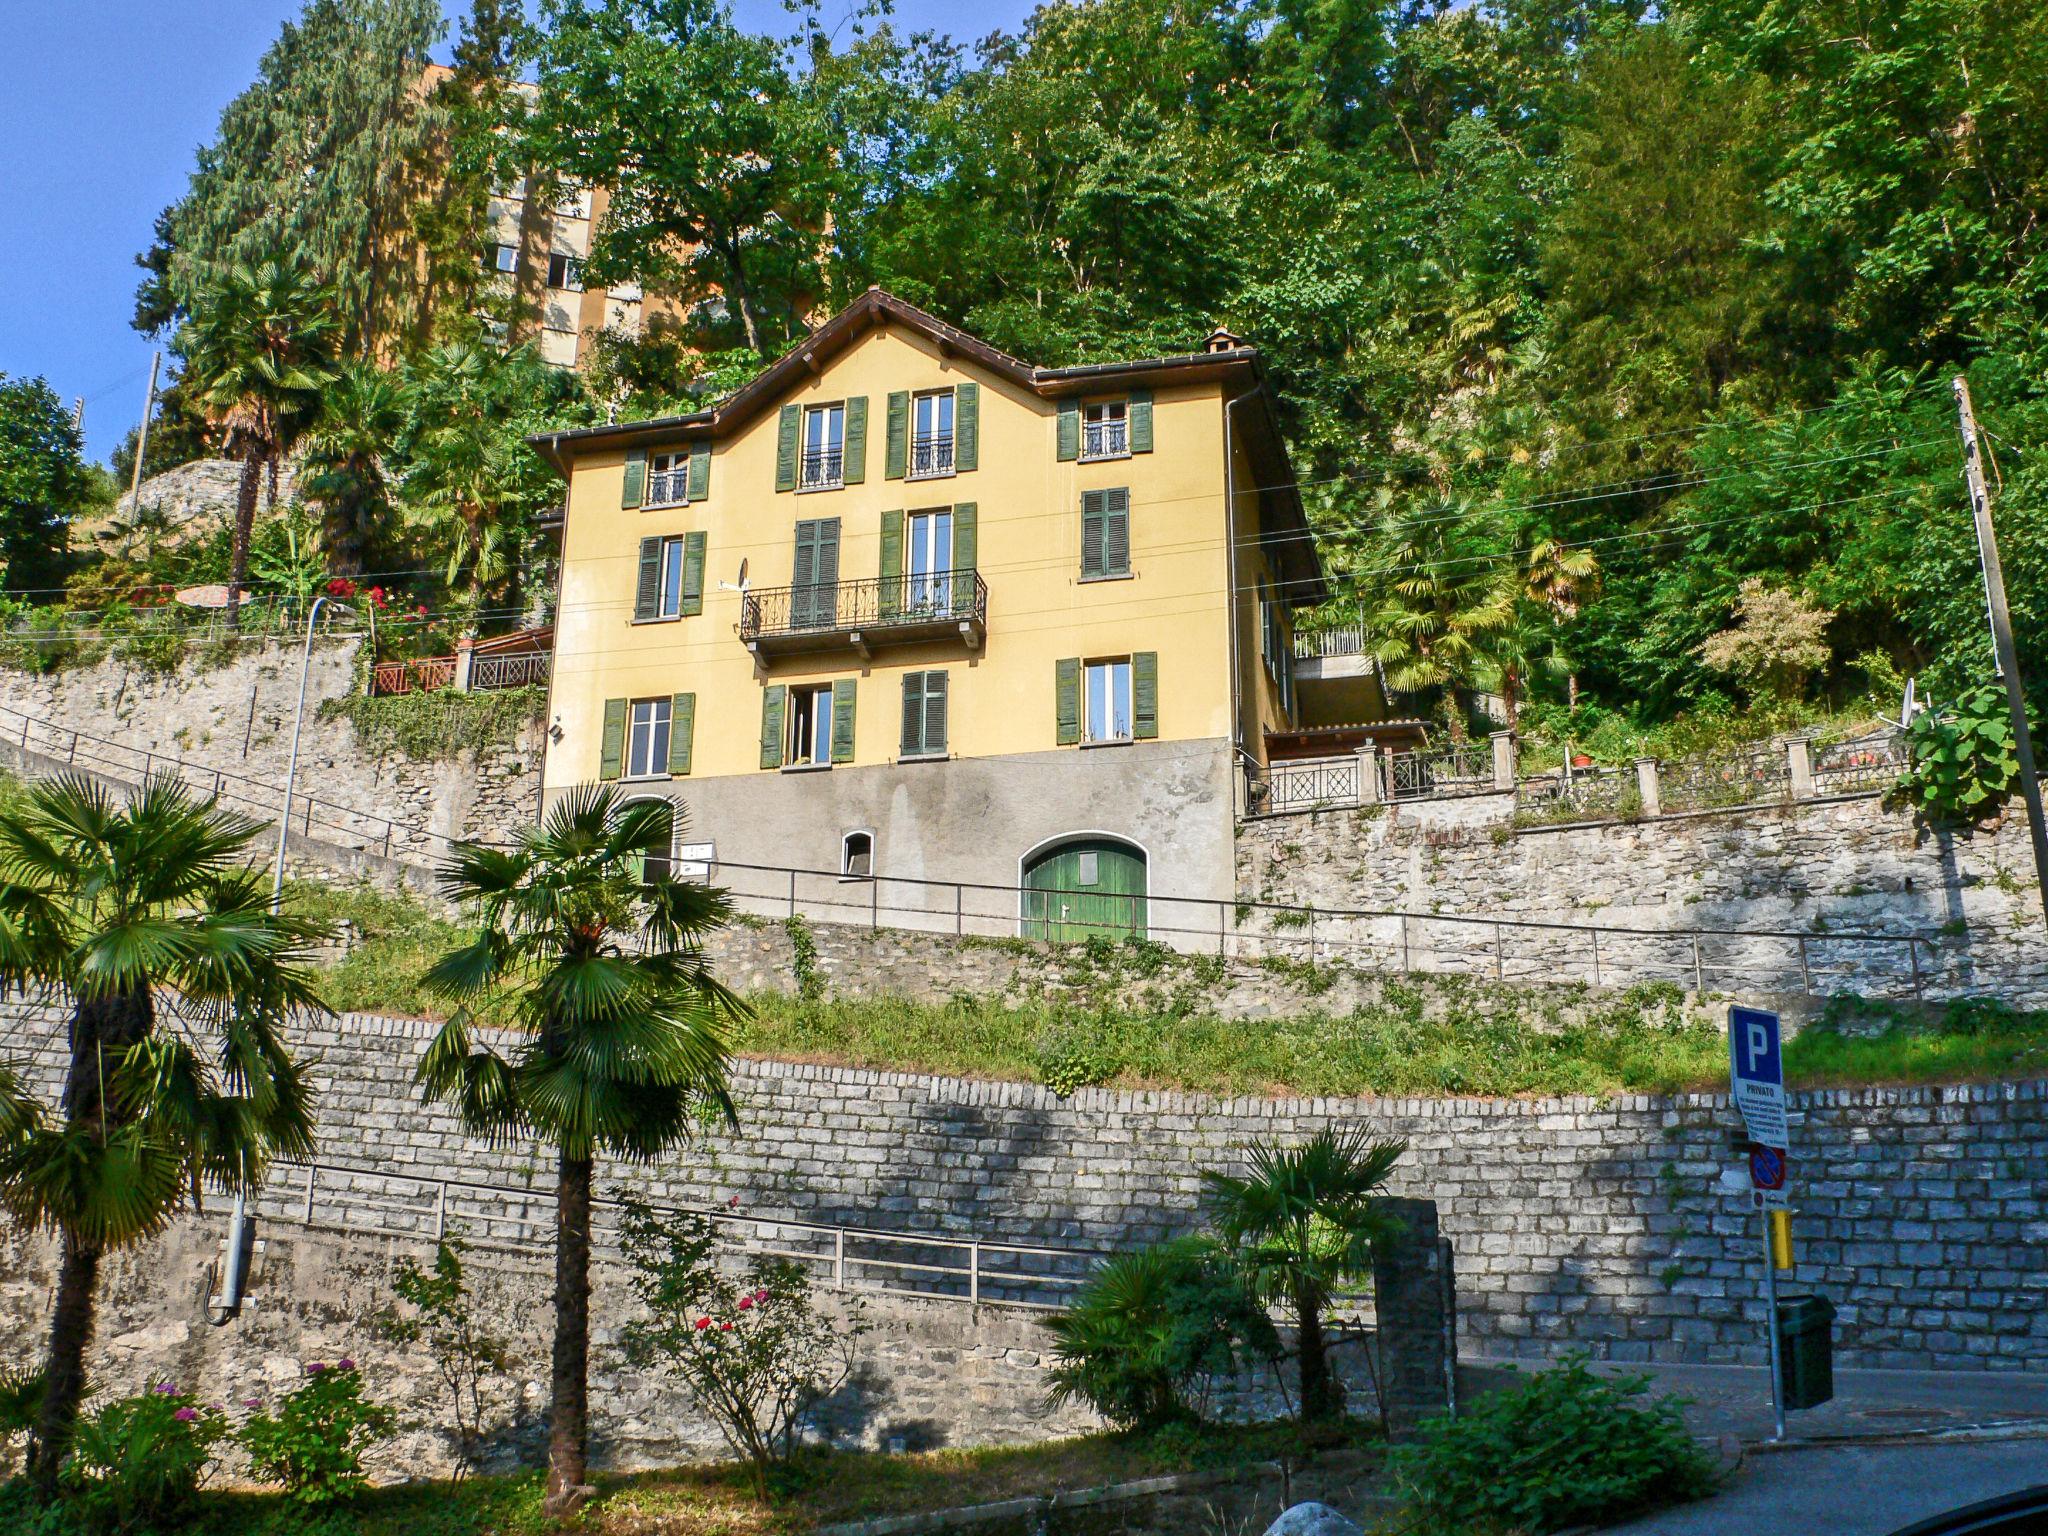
(860, 615)
(669, 488)
(821, 469)
(1105, 439)
(931, 456)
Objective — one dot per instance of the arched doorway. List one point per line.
(1083, 886)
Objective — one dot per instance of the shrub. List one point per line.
(313, 1444)
(469, 1360)
(1961, 762)
(1562, 1447)
(1147, 1335)
(1075, 1056)
(749, 1345)
(137, 1463)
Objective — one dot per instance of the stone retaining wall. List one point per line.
(1574, 1222)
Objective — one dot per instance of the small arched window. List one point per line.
(857, 856)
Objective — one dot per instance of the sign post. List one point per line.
(1756, 1075)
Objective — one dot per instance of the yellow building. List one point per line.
(932, 626)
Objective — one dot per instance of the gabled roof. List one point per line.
(1231, 363)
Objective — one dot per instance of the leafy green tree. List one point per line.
(147, 918)
(620, 1030)
(258, 356)
(1303, 1221)
(1448, 597)
(43, 481)
(344, 472)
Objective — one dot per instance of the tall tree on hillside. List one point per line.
(620, 1029)
(258, 354)
(344, 472)
(43, 481)
(156, 933)
(1448, 592)
(320, 153)
(719, 169)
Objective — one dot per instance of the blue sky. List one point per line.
(102, 104)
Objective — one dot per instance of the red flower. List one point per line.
(746, 1303)
(733, 1203)
(703, 1323)
(341, 586)
(725, 1327)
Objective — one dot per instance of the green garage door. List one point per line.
(1089, 886)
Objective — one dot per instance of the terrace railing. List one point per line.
(873, 604)
(1439, 773)
(1305, 786)
(520, 669)
(422, 675)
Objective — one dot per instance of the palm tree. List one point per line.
(1449, 593)
(146, 918)
(472, 479)
(344, 471)
(1304, 1222)
(258, 353)
(619, 1026)
(1561, 578)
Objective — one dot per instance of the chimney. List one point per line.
(1222, 340)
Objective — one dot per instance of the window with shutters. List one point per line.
(823, 465)
(668, 602)
(1105, 534)
(668, 479)
(928, 563)
(647, 739)
(931, 434)
(1106, 430)
(924, 715)
(1106, 714)
(808, 743)
(857, 856)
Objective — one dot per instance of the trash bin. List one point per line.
(1806, 1350)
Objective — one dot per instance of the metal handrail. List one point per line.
(931, 455)
(821, 468)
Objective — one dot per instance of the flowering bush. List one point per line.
(750, 1347)
(136, 1463)
(341, 586)
(314, 1443)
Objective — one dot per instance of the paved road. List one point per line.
(1862, 1490)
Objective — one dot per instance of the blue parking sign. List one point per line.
(1755, 1055)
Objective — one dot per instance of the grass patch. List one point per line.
(823, 1488)
(398, 938)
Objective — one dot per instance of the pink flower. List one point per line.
(314, 1367)
(186, 1415)
(421, 610)
(761, 1296)
(344, 1364)
(703, 1323)
(733, 1203)
(746, 1303)
(252, 1402)
(165, 1389)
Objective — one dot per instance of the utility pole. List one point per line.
(78, 413)
(142, 436)
(2001, 633)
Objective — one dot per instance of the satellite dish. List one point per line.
(740, 586)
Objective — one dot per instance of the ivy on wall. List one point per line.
(438, 726)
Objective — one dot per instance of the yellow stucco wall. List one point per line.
(1039, 610)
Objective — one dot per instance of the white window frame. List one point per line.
(1106, 686)
(809, 707)
(668, 600)
(647, 726)
(571, 270)
(846, 855)
(665, 862)
(668, 479)
(822, 467)
(937, 444)
(929, 590)
(500, 251)
(1107, 425)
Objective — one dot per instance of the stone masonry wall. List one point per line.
(237, 718)
(1923, 1212)
(1816, 869)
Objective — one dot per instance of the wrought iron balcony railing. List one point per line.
(931, 456)
(669, 488)
(1105, 439)
(822, 468)
(879, 610)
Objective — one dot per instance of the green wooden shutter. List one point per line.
(785, 447)
(771, 725)
(635, 491)
(896, 439)
(935, 713)
(966, 536)
(911, 741)
(1093, 533)
(892, 564)
(1067, 700)
(611, 753)
(1145, 695)
(853, 463)
(1116, 532)
(693, 573)
(843, 690)
(1070, 429)
(966, 427)
(647, 593)
(1140, 410)
(682, 723)
(700, 471)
